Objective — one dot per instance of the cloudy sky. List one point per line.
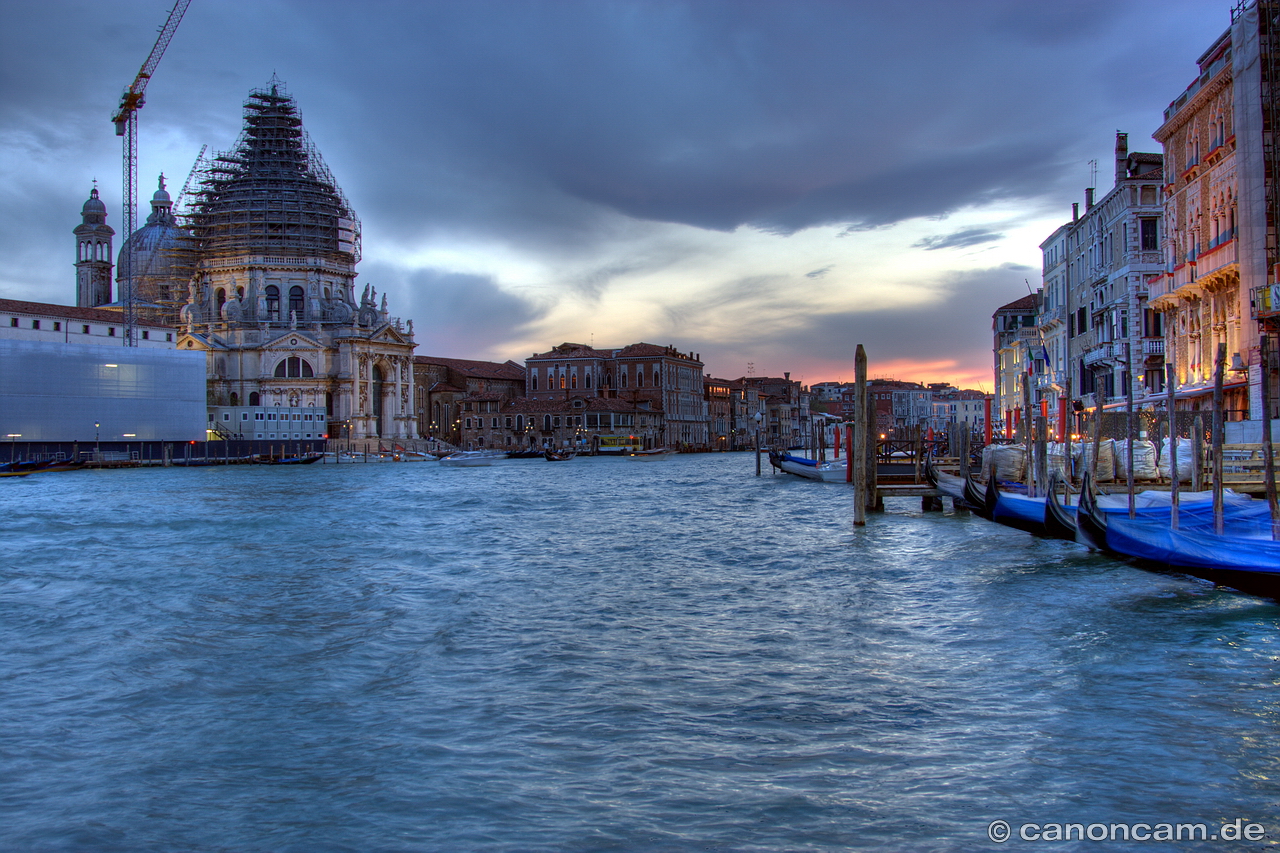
(765, 183)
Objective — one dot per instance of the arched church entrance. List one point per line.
(379, 391)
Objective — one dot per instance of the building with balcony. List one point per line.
(1201, 293)
(1112, 250)
(1017, 347)
(655, 379)
(442, 384)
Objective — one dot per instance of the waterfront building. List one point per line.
(273, 245)
(747, 413)
(661, 381)
(442, 384)
(1201, 292)
(67, 376)
(1016, 345)
(719, 412)
(783, 403)
(1053, 384)
(956, 407)
(68, 324)
(1114, 336)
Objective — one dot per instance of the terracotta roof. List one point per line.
(1028, 301)
(477, 369)
(568, 350)
(445, 387)
(643, 350)
(48, 309)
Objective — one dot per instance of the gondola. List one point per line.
(1014, 510)
(974, 496)
(558, 456)
(1249, 563)
(949, 484)
(1059, 521)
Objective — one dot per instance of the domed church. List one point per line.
(161, 263)
(265, 276)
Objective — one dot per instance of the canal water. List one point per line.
(599, 655)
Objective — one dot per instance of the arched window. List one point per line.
(622, 380)
(534, 378)
(273, 302)
(546, 422)
(657, 378)
(254, 399)
(328, 403)
(640, 378)
(235, 398)
(561, 380)
(294, 367)
(519, 423)
(221, 299)
(588, 379)
(296, 301)
(573, 381)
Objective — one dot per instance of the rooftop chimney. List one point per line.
(1088, 198)
(1122, 156)
(1075, 211)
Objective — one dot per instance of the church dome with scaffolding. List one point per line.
(161, 263)
(272, 194)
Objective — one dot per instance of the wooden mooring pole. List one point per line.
(860, 429)
(1171, 381)
(1218, 369)
(1268, 452)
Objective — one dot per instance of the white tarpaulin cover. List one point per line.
(56, 392)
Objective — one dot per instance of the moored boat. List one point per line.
(470, 459)
(809, 469)
(654, 454)
(1243, 557)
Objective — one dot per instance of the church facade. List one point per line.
(260, 275)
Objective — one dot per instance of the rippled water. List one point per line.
(596, 655)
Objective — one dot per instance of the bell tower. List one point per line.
(93, 254)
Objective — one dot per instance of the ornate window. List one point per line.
(296, 302)
(294, 367)
(273, 302)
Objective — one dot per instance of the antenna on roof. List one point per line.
(1030, 292)
(1093, 173)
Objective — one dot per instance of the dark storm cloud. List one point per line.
(547, 129)
(523, 118)
(958, 239)
(457, 315)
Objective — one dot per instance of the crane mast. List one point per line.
(126, 122)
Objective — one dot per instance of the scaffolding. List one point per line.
(272, 195)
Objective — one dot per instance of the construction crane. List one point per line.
(126, 122)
